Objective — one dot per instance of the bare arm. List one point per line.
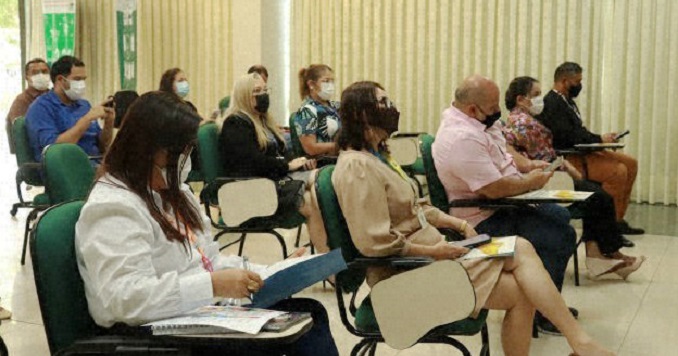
(512, 185)
(312, 147)
(523, 163)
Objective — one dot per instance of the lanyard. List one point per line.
(193, 239)
(573, 107)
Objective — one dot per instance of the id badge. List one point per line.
(422, 217)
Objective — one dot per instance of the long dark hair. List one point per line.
(156, 121)
(167, 80)
(358, 103)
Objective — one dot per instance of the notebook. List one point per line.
(498, 247)
(277, 324)
(225, 318)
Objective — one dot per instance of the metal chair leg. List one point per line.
(485, 337)
(282, 242)
(296, 244)
(27, 229)
(242, 243)
(576, 266)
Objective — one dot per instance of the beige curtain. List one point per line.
(420, 50)
(194, 35)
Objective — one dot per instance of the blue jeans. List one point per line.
(546, 226)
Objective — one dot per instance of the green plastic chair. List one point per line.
(69, 328)
(213, 173)
(438, 195)
(297, 150)
(69, 173)
(29, 169)
(68, 176)
(349, 281)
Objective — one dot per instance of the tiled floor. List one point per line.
(636, 317)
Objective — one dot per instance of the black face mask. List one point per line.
(491, 119)
(262, 103)
(386, 119)
(573, 91)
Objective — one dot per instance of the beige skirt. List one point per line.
(484, 274)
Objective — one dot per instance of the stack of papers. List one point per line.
(208, 319)
(570, 195)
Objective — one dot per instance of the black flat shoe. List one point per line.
(626, 229)
(546, 327)
(575, 312)
(627, 243)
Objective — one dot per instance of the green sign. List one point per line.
(59, 20)
(126, 18)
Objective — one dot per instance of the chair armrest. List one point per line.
(483, 203)
(126, 345)
(408, 134)
(209, 192)
(395, 262)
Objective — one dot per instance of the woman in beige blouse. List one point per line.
(385, 218)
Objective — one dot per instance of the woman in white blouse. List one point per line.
(144, 249)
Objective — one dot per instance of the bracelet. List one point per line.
(464, 223)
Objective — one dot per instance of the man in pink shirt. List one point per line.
(472, 161)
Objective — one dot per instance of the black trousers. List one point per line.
(599, 217)
(318, 340)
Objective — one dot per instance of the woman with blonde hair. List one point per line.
(252, 146)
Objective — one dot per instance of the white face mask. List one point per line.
(40, 81)
(183, 174)
(326, 90)
(186, 169)
(76, 91)
(537, 105)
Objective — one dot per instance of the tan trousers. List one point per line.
(616, 171)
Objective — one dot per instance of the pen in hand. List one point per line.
(246, 267)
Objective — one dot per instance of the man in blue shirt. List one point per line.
(63, 116)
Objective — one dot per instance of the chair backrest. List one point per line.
(236, 203)
(24, 153)
(436, 189)
(60, 288)
(212, 165)
(297, 150)
(404, 150)
(68, 172)
(338, 235)
(123, 99)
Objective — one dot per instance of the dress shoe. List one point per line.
(624, 272)
(599, 267)
(626, 242)
(626, 229)
(575, 312)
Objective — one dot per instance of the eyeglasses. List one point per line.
(261, 91)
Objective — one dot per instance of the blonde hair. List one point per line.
(241, 104)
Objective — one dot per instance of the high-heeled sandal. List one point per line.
(599, 267)
(624, 272)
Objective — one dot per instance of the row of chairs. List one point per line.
(70, 329)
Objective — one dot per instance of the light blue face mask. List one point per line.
(182, 88)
